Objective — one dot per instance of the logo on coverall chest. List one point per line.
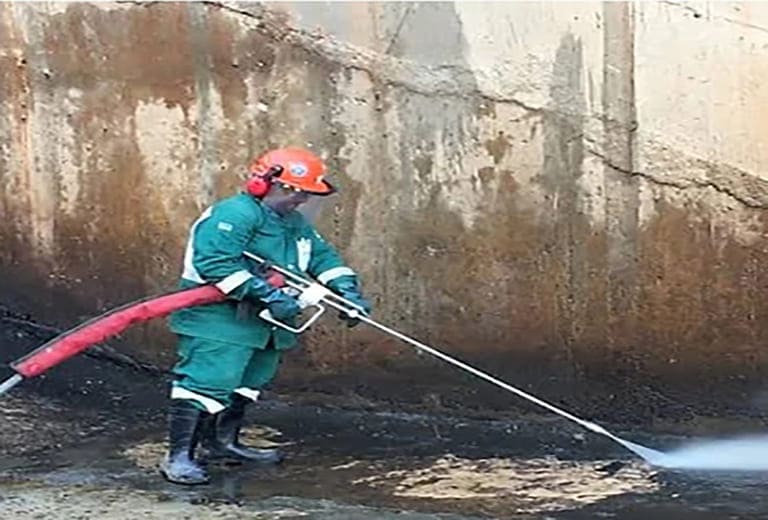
(304, 249)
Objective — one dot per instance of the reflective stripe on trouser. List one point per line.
(200, 401)
(216, 369)
(248, 393)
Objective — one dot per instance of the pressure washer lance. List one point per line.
(311, 294)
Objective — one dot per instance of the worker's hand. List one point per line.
(356, 298)
(282, 306)
(348, 288)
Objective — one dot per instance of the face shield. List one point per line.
(283, 199)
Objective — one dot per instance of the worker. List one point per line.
(226, 352)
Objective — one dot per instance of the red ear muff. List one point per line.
(258, 185)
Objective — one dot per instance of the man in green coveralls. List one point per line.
(226, 352)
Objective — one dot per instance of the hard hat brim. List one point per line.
(321, 188)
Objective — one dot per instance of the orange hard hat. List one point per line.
(301, 169)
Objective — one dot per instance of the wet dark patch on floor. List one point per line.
(85, 439)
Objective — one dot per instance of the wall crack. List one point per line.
(748, 201)
(439, 80)
(726, 19)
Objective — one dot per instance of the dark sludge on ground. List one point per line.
(85, 439)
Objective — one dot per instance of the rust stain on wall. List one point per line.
(469, 221)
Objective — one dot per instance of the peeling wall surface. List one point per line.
(570, 195)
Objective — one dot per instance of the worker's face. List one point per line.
(284, 199)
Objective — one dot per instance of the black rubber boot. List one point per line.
(221, 442)
(179, 466)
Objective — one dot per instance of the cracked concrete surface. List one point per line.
(747, 190)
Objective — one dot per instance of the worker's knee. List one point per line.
(209, 371)
(261, 369)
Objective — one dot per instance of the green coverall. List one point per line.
(222, 349)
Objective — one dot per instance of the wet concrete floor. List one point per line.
(345, 464)
(84, 442)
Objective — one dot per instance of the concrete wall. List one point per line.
(571, 195)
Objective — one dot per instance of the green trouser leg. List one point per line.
(261, 369)
(208, 372)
